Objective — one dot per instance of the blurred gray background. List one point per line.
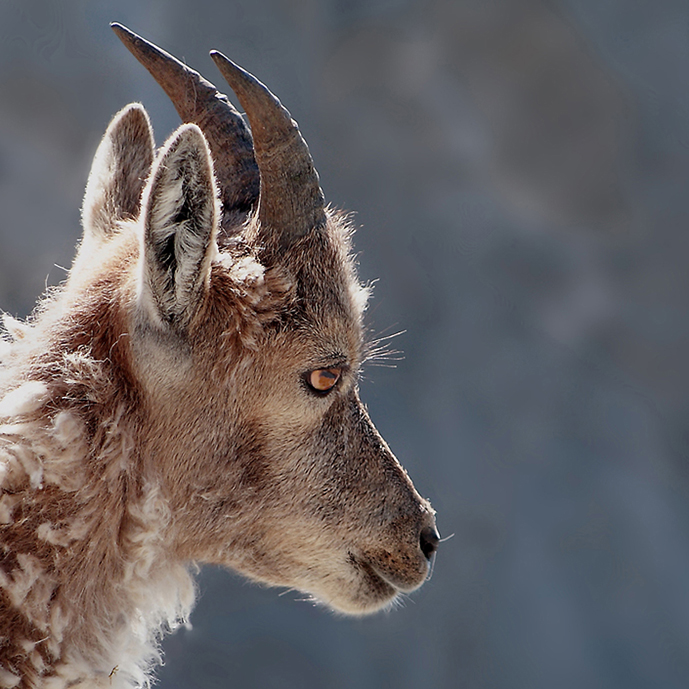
(519, 171)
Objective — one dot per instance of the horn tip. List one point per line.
(120, 29)
(235, 75)
(127, 36)
(222, 60)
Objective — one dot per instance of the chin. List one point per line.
(363, 592)
(359, 605)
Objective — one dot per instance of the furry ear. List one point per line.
(118, 174)
(180, 221)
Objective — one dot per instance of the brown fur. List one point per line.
(157, 415)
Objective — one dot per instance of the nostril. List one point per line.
(429, 541)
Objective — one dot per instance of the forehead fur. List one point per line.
(322, 267)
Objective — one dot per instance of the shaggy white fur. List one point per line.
(145, 596)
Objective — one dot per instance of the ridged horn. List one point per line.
(198, 101)
(291, 201)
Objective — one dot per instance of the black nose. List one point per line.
(429, 541)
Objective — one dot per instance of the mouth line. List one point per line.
(378, 580)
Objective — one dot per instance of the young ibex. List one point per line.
(190, 395)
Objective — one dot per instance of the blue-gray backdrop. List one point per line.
(519, 171)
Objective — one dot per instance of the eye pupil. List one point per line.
(324, 379)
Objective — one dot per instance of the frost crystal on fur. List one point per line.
(156, 412)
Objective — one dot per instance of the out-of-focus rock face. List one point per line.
(512, 96)
(520, 172)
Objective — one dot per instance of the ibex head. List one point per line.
(243, 321)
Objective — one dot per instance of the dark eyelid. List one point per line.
(332, 361)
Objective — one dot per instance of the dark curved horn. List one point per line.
(291, 201)
(198, 101)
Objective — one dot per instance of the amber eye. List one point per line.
(324, 379)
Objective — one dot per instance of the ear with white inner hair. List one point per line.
(118, 174)
(180, 222)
